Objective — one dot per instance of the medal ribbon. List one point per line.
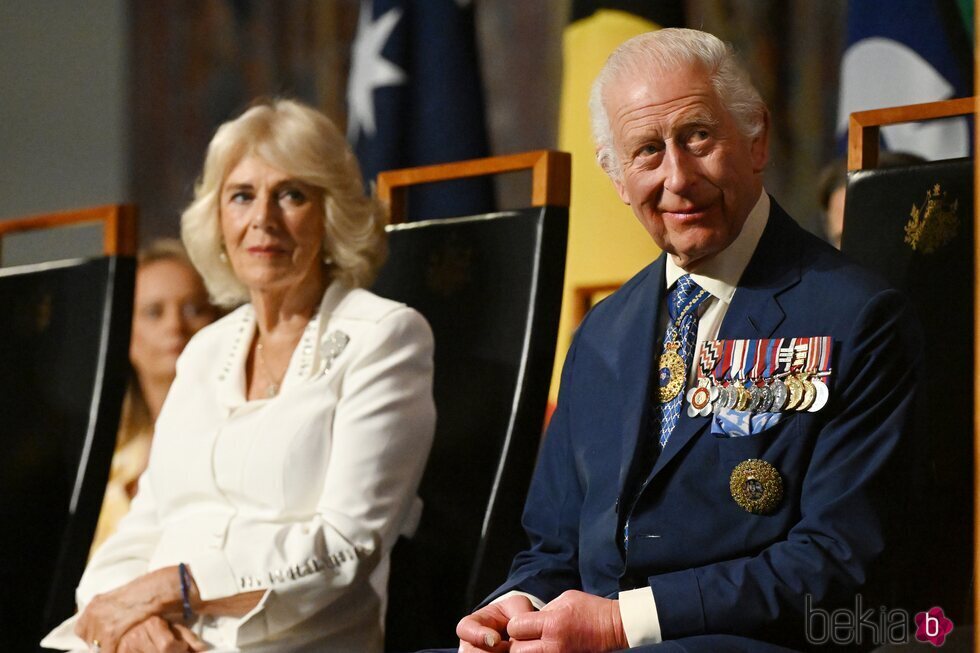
(771, 357)
(813, 356)
(771, 362)
(823, 361)
(751, 359)
(762, 347)
(723, 369)
(800, 353)
(709, 356)
(784, 356)
(740, 357)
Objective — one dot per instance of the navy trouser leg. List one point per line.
(712, 644)
(699, 644)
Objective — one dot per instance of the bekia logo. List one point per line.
(932, 626)
(866, 625)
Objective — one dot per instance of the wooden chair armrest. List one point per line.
(864, 126)
(118, 230)
(550, 177)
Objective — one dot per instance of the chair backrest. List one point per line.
(490, 286)
(914, 225)
(64, 334)
(64, 343)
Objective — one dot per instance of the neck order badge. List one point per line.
(672, 364)
(682, 305)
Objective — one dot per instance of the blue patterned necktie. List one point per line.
(682, 331)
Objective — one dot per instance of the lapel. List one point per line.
(755, 311)
(634, 358)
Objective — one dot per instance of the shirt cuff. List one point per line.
(641, 623)
(535, 601)
(64, 638)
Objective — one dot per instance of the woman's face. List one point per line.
(171, 305)
(272, 226)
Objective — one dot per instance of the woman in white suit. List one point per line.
(289, 450)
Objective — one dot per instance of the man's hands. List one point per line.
(575, 622)
(484, 630)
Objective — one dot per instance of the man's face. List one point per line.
(689, 175)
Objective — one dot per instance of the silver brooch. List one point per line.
(335, 343)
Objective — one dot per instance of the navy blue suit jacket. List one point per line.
(712, 566)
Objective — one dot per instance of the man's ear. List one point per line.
(606, 161)
(620, 188)
(760, 146)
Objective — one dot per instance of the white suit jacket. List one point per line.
(302, 495)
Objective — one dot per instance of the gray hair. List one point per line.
(669, 49)
(303, 143)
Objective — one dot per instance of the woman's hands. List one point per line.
(157, 635)
(110, 616)
(146, 614)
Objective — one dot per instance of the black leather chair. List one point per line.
(915, 226)
(490, 286)
(64, 341)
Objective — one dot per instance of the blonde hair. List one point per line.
(164, 249)
(666, 50)
(303, 143)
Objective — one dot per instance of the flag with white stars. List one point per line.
(414, 98)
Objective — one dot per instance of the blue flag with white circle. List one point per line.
(907, 52)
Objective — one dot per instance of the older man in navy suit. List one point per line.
(726, 423)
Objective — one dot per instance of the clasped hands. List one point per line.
(141, 616)
(575, 622)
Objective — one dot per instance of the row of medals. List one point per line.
(797, 392)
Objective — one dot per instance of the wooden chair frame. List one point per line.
(550, 175)
(864, 127)
(119, 226)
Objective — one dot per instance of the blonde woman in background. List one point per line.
(170, 305)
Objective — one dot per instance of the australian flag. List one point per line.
(414, 98)
(907, 52)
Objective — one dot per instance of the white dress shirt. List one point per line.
(301, 495)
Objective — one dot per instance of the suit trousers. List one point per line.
(697, 644)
